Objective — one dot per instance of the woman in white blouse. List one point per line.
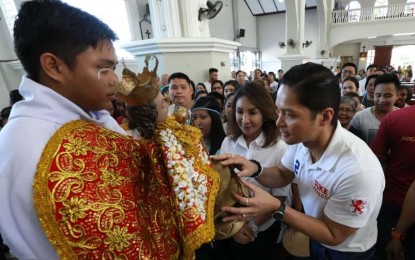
(254, 135)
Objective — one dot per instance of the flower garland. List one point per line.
(189, 185)
(194, 182)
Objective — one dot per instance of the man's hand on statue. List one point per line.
(244, 167)
(245, 235)
(395, 250)
(261, 203)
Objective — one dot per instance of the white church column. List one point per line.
(181, 42)
(165, 18)
(324, 17)
(295, 14)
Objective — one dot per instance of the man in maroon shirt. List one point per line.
(394, 145)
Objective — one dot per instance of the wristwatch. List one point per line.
(254, 227)
(279, 214)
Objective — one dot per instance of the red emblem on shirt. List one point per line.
(358, 206)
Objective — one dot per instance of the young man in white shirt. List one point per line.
(69, 59)
(368, 120)
(180, 92)
(339, 178)
(213, 75)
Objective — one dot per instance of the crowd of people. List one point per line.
(328, 156)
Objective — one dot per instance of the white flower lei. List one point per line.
(189, 185)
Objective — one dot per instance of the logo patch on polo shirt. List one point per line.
(296, 167)
(320, 190)
(358, 206)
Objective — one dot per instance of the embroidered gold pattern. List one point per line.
(118, 238)
(103, 195)
(196, 230)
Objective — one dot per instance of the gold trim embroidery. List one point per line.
(127, 210)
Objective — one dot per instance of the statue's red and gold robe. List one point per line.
(103, 195)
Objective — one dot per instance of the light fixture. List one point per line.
(307, 43)
(241, 34)
(291, 43)
(403, 34)
(363, 53)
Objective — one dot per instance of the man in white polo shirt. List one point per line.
(339, 178)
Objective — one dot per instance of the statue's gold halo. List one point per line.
(140, 89)
(229, 183)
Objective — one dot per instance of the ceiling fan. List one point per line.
(211, 11)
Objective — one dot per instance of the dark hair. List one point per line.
(315, 86)
(5, 112)
(374, 76)
(200, 83)
(15, 96)
(220, 83)
(280, 70)
(143, 118)
(116, 113)
(58, 28)
(371, 66)
(388, 78)
(233, 83)
(211, 70)
(192, 84)
(219, 97)
(217, 133)
(228, 96)
(352, 94)
(261, 99)
(200, 91)
(179, 75)
(273, 74)
(352, 79)
(351, 64)
(260, 82)
(225, 119)
(240, 71)
(408, 89)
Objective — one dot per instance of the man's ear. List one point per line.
(52, 66)
(327, 116)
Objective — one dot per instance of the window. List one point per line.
(112, 12)
(354, 14)
(381, 11)
(400, 56)
(9, 11)
(410, 8)
(370, 57)
(245, 60)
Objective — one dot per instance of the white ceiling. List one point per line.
(265, 7)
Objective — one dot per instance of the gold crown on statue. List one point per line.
(140, 89)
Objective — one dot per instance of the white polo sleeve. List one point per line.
(354, 199)
(288, 160)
